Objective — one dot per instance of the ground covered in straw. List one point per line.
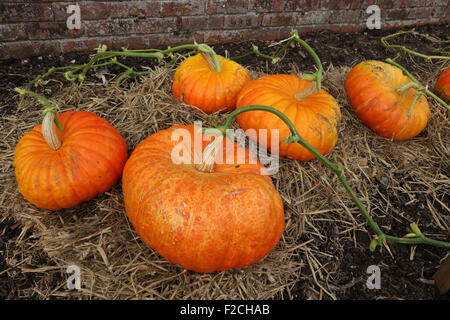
(323, 253)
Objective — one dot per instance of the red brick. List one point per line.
(168, 22)
(280, 19)
(194, 23)
(12, 32)
(131, 9)
(50, 30)
(89, 10)
(346, 16)
(177, 8)
(108, 27)
(266, 34)
(334, 4)
(268, 5)
(241, 21)
(387, 4)
(20, 50)
(25, 12)
(84, 45)
(175, 40)
(156, 25)
(223, 36)
(395, 14)
(415, 13)
(364, 4)
(133, 42)
(226, 6)
(315, 17)
(308, 5)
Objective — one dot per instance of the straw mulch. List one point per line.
(321, 220)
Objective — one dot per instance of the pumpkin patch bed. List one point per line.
(323, 252)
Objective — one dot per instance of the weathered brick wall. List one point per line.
(39, 27)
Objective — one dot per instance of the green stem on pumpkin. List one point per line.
(50, 106)
(413, 103)
(406, 86)
(314, 55)
(416, 84)
(381, 238)
(435, 97)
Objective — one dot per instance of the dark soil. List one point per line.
(400, 277)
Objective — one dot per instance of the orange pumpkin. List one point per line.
(205, 219)
(442, 86)
(83, 160)
(374, 91)
(197, 83)
(315, 114)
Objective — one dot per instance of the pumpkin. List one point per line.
(442, 86)
(205, 217)
(83, 160)
(196, 82)
(315, 114)
(374, 89)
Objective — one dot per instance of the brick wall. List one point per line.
(39, 27)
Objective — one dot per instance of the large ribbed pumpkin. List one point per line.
(315, 114)
(197, 83)
(228, 217)
(88, 161)
(442, 86)
(372, 90)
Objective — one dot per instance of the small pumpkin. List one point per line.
(198, 83)
(442, 85)
(205, 217)
(374, 89)
(315, 114)
(60, 169)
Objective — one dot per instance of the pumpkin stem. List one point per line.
(48, 130)
(210, 56)
(306, 92)
(209, 155)
(209, 60)
(406, 86)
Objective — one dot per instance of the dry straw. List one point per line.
(321, 220)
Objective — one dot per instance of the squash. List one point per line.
(207, 216)
(196, 82)
(60, 169)
(380, 96)
(315, 114)
(442, 86)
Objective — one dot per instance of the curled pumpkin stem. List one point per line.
(380, 237)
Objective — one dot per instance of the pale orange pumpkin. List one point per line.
(373, 90)
(315, 114)
(206, 217)
(196, 82)
(60, 169)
